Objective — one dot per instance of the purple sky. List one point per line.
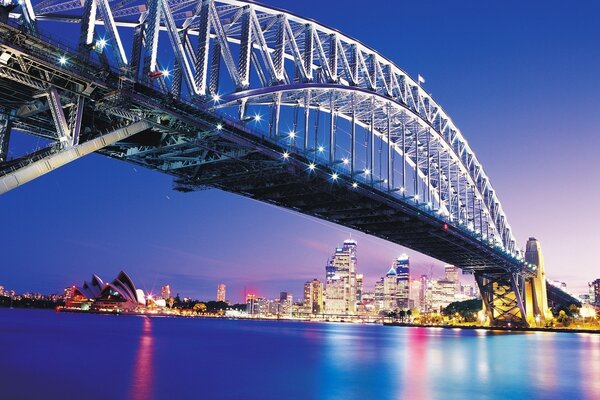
(520, 80)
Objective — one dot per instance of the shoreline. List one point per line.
(383, 323)
(497, 328)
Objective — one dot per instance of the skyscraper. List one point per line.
(596, 290)
(165, 292)
(402, 266)
(285, 304)
(340, 293)
(313, 296)
(221, 292)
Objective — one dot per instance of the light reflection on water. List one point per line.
(100, 357)
(143, 373)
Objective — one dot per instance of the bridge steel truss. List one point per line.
(261, 102)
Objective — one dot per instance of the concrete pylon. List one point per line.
(536, 297)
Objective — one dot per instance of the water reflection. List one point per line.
(143, 371)
(414, 384)
(590, 366)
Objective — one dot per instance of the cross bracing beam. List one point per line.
(20, 176)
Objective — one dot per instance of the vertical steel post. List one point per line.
(403, 159)
(416, 176)
(428, 136)
(331, 130)
(372, 142)
(353, 138)
(306, 118)
(389, 148)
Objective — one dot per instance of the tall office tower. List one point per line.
(285, 304)
(165, 292)
(251, 308)
(390, 290)
(340, 292)
(423, 294)
(452, 274)
(596, 292)
(221, 292)
(415, 294)
(359, 287)
(402, 267)
(378, 294)
(313, 296)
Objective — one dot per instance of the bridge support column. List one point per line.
(502, 294)
(536, 296)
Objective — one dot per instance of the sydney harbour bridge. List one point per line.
(261, 102)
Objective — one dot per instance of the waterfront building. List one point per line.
(415, 294)
(221, 292)
(165, 292)
(402, 266)
(359, 287)
(119, 295)
(341, 285)
(390, 289)
(313, 296)
(285, 304)
(378, 294)
(596, 292)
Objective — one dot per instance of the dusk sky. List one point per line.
(520, 79)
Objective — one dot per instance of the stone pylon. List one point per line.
(536, 297)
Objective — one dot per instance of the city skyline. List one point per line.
(134, 221)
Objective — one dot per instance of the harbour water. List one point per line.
(49, 355)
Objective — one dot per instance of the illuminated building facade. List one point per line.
(221, 292)
(165, 292)
(341, 284)
(313, 296)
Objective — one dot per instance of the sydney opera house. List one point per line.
(120, 295)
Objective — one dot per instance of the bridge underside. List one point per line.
(238, 162)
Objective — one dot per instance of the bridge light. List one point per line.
(165, 72)
(345, 161)
(367, 172)
(311, 166)
(402, 190)
(321, 149)
(216, 97)
(385, 181)
(62, 60)
(354, 185)
(257, 117)
(100, 44)
(445, 227)
(286, 155)
(416, 197)
(292, 134)
(219, 127)
(334, 176)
